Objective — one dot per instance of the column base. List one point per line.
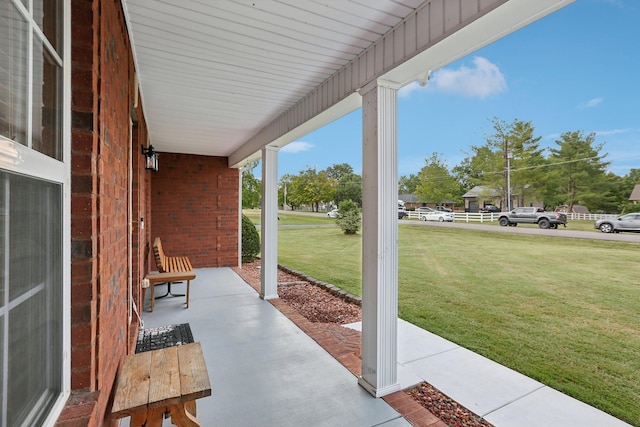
(378, 392)
(268, 297)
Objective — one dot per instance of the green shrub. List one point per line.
(250, 240)
(350, 219)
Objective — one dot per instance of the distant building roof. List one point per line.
(408, 198)
(635, 194)
(481, 190)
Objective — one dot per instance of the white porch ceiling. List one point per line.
(219, 77)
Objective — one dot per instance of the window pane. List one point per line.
(48, 16)
(47, 103)
(33, 316)
(13, 73)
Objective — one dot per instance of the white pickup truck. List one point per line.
(532, 215)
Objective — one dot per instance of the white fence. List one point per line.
(493, 216)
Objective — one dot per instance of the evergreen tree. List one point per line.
(578, 168)
(522, 158)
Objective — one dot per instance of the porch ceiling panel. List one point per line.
(213, 73)
(226, 77)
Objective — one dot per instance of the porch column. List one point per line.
(379, 239)
(269, 224)
(240, 174)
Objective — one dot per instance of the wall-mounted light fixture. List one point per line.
(151, 158)
(423, 78)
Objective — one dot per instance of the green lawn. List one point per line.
(292, 219)
(562, 311)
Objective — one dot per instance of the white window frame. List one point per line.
(23, 160)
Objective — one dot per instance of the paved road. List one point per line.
(560, 232)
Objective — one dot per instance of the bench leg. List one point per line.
(188, 290)
(138, 420)
(181, 417)
(191, 407)
(151, 418)
(153, 295)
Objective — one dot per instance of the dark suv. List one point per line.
(490, 208)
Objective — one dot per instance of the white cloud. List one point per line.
(296, 147)
(409, 89)
(480, 80)
(594, 102)
(614, 132)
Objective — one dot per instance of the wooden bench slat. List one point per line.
(194, 378)
(171, 266)
(132, 389)
(174, 378)
(164, 387)
(170, 277)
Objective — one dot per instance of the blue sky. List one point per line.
(577, 69)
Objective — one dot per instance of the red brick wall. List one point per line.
(84, 221)
(194, 205)
(102, 98)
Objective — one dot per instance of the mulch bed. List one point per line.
(320, 306)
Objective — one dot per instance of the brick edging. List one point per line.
(334, 290)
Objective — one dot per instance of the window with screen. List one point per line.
(33, 248)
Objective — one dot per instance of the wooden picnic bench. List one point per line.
(170, 269)
(162, 383)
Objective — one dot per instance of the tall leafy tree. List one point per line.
(251, 187)
(482, 166)
(633, 177)
(339, 171)
(436, 182)
(613, 195)
(315, 187)
(408, 184)
(349, 188)
(578, 168)
(296, 194)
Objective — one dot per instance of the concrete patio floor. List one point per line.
(265, 371)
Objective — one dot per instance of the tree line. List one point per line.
(510, 162)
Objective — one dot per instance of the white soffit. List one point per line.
(226, 77)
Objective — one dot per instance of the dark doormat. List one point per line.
(163, 336)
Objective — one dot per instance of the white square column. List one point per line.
(269, 224)
(380, 239)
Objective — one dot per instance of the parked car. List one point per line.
(333, 213)
(490, 209)
(402, 213)
(443, 209)
(423, 209)
(532, 215)
(628, 222)
(437, 216)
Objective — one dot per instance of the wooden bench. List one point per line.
(160, 383)
(170, 269)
